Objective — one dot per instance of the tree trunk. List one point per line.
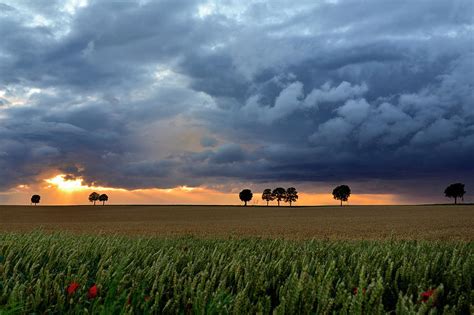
(103, 203)
(341, 202)
(267, 203)
(245, 203)
(94, 202)
(278, 203)
(455, 200)
(290, 203)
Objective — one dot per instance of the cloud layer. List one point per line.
(166, 93)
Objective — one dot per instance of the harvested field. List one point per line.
(430, 222)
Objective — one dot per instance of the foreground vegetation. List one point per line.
(111, 274)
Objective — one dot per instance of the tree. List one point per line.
(455, 191)
(103, 198)
(341, 193)
(291, 195)
(279, 194)
(267, 195)
(246, 195)
(35, 199)
(93, 197)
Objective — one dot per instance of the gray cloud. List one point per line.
(136, 94)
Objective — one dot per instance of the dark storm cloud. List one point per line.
(307, 92)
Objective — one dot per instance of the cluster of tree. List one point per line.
(279, 194)
(94, 197)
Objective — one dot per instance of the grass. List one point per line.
(428, 222)
(241, 276)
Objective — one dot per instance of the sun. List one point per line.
(67, 185)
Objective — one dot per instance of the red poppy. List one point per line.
(356, 290)
(72, 288)
(92, 293)
(147, 298)
(425, 296)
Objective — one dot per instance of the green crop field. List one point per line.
(58, 273)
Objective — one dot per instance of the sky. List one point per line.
(192, 101)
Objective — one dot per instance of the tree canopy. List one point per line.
(455, 191)
(103, 198)
(279, 194)
(291, 195)
(93, 197)
(267, 195)
(341, 193)
(35, 199)
(246, 195)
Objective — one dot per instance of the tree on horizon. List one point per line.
(455, 191)
(103, 198)
(93, 197)
(279, 194)
(267, 195)
(35, 199)
(291, 195)
(245, 195)
(341, 193)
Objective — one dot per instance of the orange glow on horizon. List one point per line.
(59, 190)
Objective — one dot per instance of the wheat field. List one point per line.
(430, 222)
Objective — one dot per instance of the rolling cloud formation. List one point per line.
(164, 93)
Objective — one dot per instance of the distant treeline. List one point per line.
(289, 195)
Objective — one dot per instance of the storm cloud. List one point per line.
(165, 93)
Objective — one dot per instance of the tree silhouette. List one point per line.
(455, 191)
(246, 195)
(267, 195)
(291, 195)
(279, 194)
(93, 197)
(341, 193)
(103, 198)
(35, 199)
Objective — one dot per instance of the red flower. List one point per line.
(356, 290)
(147, 298)
(92, 293)
(425, 296)
(72, 287)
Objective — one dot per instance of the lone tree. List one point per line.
(35, 199)
(341, 193)
(279, 194)
(103, 198)
(267, 195)
(455, 191)
(291, 195)
(246, 195)
(94, 197)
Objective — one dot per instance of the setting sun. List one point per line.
(67, 185)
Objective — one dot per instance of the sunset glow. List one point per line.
(61, 190)
(62, 183)
(66, 185)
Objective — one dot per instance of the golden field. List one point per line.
(429, 222)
